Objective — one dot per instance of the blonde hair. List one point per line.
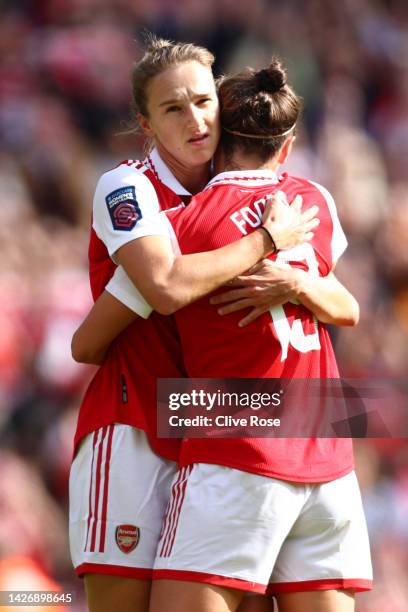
(159, 55)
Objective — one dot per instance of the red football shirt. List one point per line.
(123, 389)
(288, 342)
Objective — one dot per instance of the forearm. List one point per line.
(169, 283)
(327, 298)
(106, 320)
(198, 274)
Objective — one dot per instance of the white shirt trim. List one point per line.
(246, 178)
(339, 241)
(122, 288)
(157, 165)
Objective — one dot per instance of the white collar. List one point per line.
(157, 165)
(250, 178)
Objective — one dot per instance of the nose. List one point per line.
(195, 117)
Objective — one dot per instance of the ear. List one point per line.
(285, 150)
(145, 125)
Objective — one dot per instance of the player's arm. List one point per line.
(271, 284)
(107, 319)
(126, 220)
(169, 282)
(328, 299)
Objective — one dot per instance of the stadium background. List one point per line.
(64, 98)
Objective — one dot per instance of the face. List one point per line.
(183, 115)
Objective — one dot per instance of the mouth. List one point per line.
(199, 139)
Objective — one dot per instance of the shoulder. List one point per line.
(309, 188)
(129, 182)
(129, 172)
(330, 226)
(327, 196)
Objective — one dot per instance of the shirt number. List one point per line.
(294, 334)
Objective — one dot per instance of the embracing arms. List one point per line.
(326, 297)
(169, 282)
(107, 318)
(269, 284)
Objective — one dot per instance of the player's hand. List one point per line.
(265, 285)
(286, 223)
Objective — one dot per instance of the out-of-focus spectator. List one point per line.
(19, 573)
(28, 512)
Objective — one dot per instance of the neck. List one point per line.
(194, 179)
(243, 162)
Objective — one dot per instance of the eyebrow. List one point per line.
(181, 98)
(166, 102)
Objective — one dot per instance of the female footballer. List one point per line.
(121, 473)
(297, 538)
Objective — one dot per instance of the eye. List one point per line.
(203, 101)
(173, 109)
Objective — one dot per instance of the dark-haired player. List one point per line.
(276, 515)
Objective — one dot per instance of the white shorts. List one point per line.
(240, 530)
(119, 489)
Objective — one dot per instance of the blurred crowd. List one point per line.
(64, 113)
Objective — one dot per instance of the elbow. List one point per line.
(165, 302)
(354, 316)
(349, 321)
(167, 306)
(351, 318)
(78, 352)
(166, 292)
(347, 317)
(166, 310)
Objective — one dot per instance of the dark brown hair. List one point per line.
(261, 106)
(159, 55)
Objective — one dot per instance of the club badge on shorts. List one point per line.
(123, 208)
(127, 537)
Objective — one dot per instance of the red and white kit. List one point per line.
(119, 490)
(261, 534)
(264, 514)
(287, 342)
(103, 495)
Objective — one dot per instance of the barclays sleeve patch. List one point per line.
(123, 208)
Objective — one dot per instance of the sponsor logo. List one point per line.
(123, 208)
(127, 537)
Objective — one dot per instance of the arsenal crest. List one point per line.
(127, 537)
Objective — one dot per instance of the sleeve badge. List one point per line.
(123, 208)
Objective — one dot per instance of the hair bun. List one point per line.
(270, 79)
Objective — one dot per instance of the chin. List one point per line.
(200, 157)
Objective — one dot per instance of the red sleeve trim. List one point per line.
(222, 581)
(141, 573)
(357, 584)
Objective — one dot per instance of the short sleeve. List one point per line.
(338, 237)
(125, 207)
(122, 288)
(120, 285)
